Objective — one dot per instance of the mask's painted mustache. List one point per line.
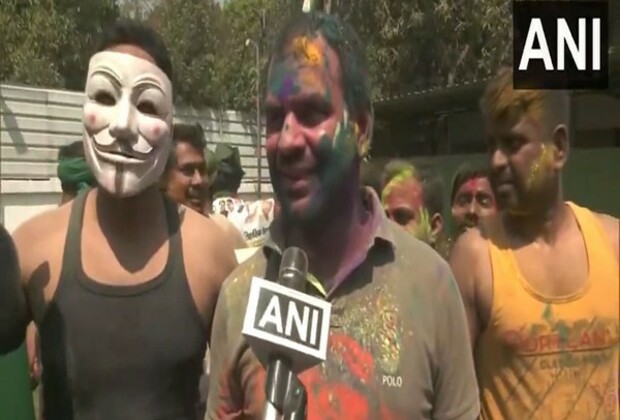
(122, 150)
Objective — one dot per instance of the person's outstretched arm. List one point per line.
(13, 309)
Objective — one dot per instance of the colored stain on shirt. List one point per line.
(388, 317)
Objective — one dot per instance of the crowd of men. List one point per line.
(149, 258)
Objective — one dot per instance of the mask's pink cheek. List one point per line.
(156, 131)
(93, 120)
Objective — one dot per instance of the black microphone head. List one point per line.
(294, 268)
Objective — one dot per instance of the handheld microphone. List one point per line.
(288, 331)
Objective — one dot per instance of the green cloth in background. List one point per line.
(75, 171)
(15, 392)
(228, 173)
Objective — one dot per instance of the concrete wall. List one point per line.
(35, 122)
(594, 123)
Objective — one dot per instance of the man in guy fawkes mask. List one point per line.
(121, 282)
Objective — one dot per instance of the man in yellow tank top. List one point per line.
(540, 283)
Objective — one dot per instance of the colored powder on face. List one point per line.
(423, 230)
(398, 179)
(281, 81)
(363, 142)
(307, 51)
(338, 153)
(287, 88)
(309, 79)
(540, 168)
(292, 74)
(471, 185)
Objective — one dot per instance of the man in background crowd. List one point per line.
(471, 198)
(414, 200)
(540, 285)
(252, 218)
(73, 171)
(186, 180)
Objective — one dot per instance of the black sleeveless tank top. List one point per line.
(121, 352)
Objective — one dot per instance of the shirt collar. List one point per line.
(382, 233)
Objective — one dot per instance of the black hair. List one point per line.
(465, 173)
(71, 150)
(127, 31)
(191, 134)
(347, 45)
(433, 192)
(370, 175)
(432, 183)
(228, 173)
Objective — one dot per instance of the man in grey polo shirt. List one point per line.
(398, 339)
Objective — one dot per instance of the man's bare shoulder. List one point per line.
(208, 259)
(205, 245)
(471, 242)
(469, 260)
(229, 229)
(43, 229)
(199, 228)
(611, 226)
(38, 239)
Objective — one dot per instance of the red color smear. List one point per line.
(327, 399)
(358, 361)
(472, 185)
(338, 401)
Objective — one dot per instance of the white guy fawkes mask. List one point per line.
(127, 122)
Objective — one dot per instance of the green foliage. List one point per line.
(411, 45)
(430, 43)
(192, 31)
(237, 69)
(33, 35)
(213, 65)
(48, 42)
(84, 24)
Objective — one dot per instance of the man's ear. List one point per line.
(364, 128)
(561, 145)
(436, 225)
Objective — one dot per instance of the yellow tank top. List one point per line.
(544, 358)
